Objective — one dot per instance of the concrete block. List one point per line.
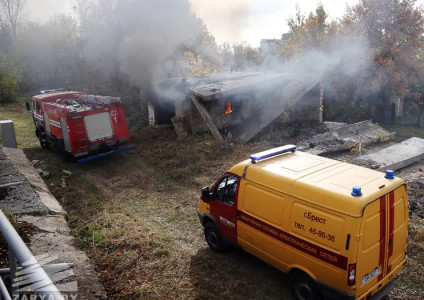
(7, 133)
(397, 156)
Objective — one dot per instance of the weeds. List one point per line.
(89, 237)
(357, 147)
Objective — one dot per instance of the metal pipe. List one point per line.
(6, 185)
(40, 282)
(3, 291)
(13, 267)
(48, 268)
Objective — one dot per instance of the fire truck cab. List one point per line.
(80, 126)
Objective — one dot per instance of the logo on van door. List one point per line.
(227, 222)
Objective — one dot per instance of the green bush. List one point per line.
(8, 82)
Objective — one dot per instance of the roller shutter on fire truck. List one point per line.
(98, 126)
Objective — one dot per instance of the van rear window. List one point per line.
(318, 225)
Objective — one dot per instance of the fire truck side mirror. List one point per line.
(206, 194)
(28, 107)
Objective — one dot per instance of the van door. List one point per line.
(383, 234)
(223, 205)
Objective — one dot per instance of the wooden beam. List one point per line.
(205, 115)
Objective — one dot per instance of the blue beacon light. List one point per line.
(356, 191)
(390, 174)
(272, 153)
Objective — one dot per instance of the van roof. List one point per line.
(319, 180)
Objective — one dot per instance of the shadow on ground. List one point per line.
(235, 274)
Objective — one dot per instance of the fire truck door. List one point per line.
(65, 134)
(46, 122)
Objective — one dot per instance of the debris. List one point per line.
(63, 184)
(69, 173)
(39, 171)
(45, 174)
(342, 138)
(34, 162)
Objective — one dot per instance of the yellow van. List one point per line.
(337, 229)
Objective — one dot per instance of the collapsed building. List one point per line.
(236, 106)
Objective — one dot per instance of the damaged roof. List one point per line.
(225, 84)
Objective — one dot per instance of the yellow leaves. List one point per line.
(197, 66)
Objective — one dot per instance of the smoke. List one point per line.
(138, 38)
(229, 18)
(346, 60)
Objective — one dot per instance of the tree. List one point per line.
(49, 55)
(8, 81)
(11, 13)
(307, 32)
(393, 30)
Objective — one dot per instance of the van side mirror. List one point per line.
(28, 107)
(206, 194)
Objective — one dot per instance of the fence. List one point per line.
(30, 278)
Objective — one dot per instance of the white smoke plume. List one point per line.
(137, 38)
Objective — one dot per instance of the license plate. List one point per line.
(370, 275)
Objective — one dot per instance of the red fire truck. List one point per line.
(80, 126)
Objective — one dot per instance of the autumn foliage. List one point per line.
(393, 32)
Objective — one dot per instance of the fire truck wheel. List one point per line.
(303, 287)
(43, 142)
(213, 238)
(63, 153)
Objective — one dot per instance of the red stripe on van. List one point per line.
(391, 226)
(323, 254)
(382, 235)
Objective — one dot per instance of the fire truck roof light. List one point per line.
(52, 91)
(272, 153)
(356, 191)
(390, 174)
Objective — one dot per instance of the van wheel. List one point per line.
(303, 287)
(213, 238)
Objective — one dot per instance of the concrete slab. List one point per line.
(24, 167)
(23, 200)
(397, 156)
(341, 138)
(35, 205)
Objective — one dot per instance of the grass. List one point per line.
(405, 126)
(22, 122)
(404, 132)
(134, 214)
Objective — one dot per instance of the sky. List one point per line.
(228, 20)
